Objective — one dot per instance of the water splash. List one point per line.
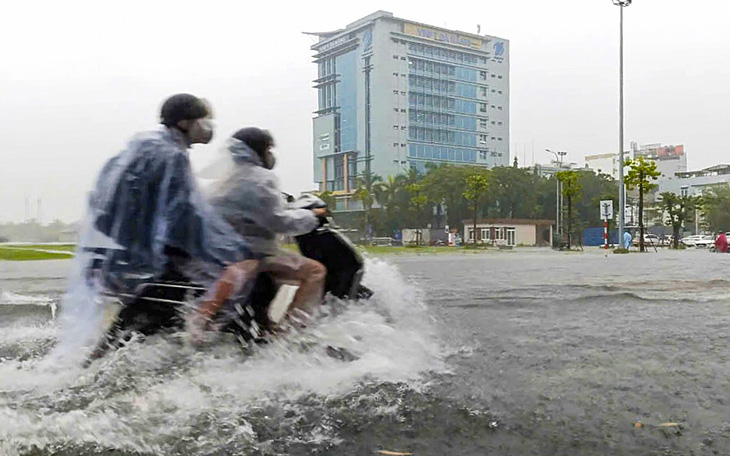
(163, 396)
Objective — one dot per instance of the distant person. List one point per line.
(627, 240)
(721, 242)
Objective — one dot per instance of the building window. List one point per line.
(403, 128)
(492, 122)
(500, 92)
(395, 127)
(395, 144)
(482, 139)
(483, 123)
(471, 235)
(485, 234)
(483, 75)
(483, 91)
(483, 60)
(404, 145)
(493, 75)
(402, 110)
(395, 109)
(500, 123)
(499, 77)
(395, 92)
(499, 139)
(483, 107)
(499, 107)
(395, 57)
(482, 155)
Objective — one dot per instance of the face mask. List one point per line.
(270, 161)
(201, 131)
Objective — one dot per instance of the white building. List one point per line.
(670, 160)
(395, 94)
(694, 183)
(510, 232)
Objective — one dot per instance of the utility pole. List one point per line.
(558, 196)
(621, 189)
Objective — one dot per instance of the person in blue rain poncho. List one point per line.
(146, 217)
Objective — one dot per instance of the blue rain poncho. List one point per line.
(250, 200)
(145, 215)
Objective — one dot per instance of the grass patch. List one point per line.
(62, 247)
(26, 254)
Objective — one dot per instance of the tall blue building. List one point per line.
(395, 95)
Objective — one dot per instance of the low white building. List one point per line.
(510, 232)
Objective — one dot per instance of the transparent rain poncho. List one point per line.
(248, 197)
(145, 215)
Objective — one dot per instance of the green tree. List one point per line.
(477, 185)
(570, 189)
(512, 192)
(388, 195)
(715, 205)
(640, 176)
(328, 198)
(678, 210)
(365, 193)
(445, 185)
(418, 201)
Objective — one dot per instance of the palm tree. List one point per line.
(328, 198)
(366, 185)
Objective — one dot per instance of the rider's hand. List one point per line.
(320, 211)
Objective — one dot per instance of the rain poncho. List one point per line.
(145, 215)
(721, 243)
(250, 200)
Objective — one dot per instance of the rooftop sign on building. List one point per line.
(440, 35)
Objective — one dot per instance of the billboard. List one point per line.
(441, 35)
(661, 152)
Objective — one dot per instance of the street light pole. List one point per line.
(558, 197)
(621, 189)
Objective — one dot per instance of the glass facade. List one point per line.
(347, 100)
(445, 107)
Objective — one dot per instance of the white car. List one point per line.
(706, 241)
(649, 240)
(698, 240)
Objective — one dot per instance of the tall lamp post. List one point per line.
(559, 160)
(621, 189)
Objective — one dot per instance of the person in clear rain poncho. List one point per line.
(250, 200)
(147, 219)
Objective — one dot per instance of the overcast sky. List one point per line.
(78, 79)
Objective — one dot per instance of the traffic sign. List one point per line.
(606, 209)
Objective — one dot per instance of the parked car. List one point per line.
(699, 240)
(706, 241)
(689, 241)
(649, 240)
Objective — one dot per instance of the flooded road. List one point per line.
(523, 352)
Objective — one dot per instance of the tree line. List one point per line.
(449, 195)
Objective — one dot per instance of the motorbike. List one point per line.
(160, 306)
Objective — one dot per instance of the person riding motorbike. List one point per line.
(148, 219)
(250, 200)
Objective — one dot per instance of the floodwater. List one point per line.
(529, 352)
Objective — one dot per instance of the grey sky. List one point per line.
(77, 79)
